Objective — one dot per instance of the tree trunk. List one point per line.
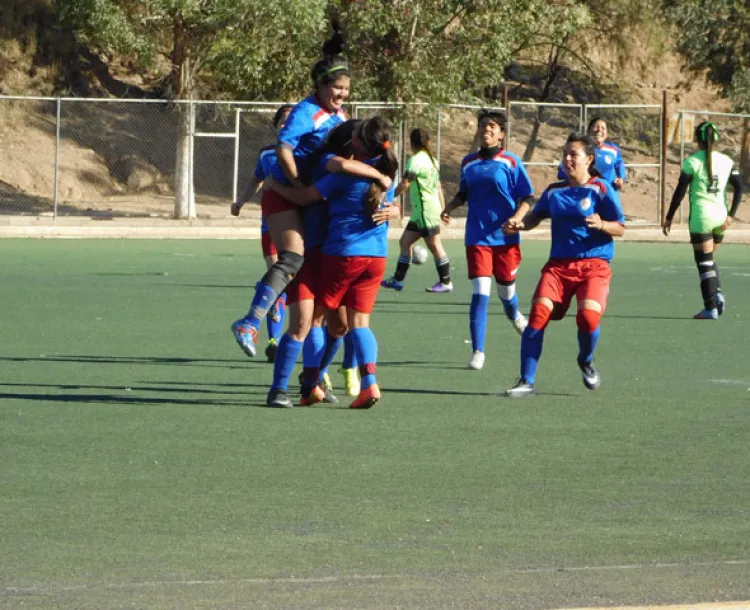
(184, 203)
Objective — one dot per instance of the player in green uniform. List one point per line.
(707, 173)
(422, 178)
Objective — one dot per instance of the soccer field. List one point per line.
(139, 467)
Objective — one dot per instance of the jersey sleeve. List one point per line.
(688, 166)
(522, 187)
(541, 209)
(258, 174)
(298, 124)
(620, 169)
(610, 207)
(410, 172)
(328, 186)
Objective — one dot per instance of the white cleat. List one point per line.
(477, 361)
(520, 323)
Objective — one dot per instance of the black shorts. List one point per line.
(702, 238)
(423, 231)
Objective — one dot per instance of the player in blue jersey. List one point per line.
(496, 186)
(608, 157)
(355, 249)
(586, 214)
(266, 159)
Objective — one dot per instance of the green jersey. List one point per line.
(422, 172)
(708, 199)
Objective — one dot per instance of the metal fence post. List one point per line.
(56, 187)
(236, 172)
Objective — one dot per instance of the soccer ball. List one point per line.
(419, 255)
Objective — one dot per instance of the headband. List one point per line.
(703, 128)
(335, 69)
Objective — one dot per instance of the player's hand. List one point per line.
(595, 222)
(513, 226)
(727, 223)
(382, 214)
(234, 210)
(445, 217)
(385, 182)
(618, 184)
(666, 225)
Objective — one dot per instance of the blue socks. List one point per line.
(366, 349)
(263, 300)
(586, 345)
(478, 320)
(350, 358)
(532, 342)
(333, 344)
(511, 307)
(275, 319)
(286, 357)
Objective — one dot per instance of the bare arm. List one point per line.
(250, 192)
(610, 227)
(306, 195)
(340, 165)
(516, 223)
(402, 186)
(285, 155)
(456, 202)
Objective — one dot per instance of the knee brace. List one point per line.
(284, 270)
(539, 316)
(588, 320)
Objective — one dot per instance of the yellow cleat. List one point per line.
(351, 381)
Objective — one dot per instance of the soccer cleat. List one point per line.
(271, 349)
(246, 336)
(521, 389)
(313, 397)
(721, 302)
(477, 361)
(441, 288)
(367, 398)
(278, 398)
(351, 381)
(707, 314)
(393, 283)
(327, 386)
(591, 378)
(520, 323)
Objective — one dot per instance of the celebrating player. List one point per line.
(707, 173)
(355, 250)
(422, 178)
(266, 159)
(496, 186)
(586, 214)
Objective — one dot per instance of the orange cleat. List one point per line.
(316, 395)
(367, 398)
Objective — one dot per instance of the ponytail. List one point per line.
(375, 139)
(706, 134)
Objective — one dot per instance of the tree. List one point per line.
(203, 45)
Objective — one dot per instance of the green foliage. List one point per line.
(714, 38)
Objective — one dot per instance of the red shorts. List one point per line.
(272, 203)
(353, 281)
(586, 278)
(306, 283)
(267, 244)
(499, 261)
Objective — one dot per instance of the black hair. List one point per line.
(334, 64)
(706, 134)
(589, 147)
(593, 121)
(374, 136)
(494, 115)
(339, 139)
(282, 110)
(420, 140)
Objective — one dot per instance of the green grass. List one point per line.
(138, 466)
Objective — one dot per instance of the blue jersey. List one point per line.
(315, 216)
(568, 206)
(608, 160)
(266, 160)
(351, 231)
(305, 130)
(493, 187)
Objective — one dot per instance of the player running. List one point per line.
(496, 186)
(707, 173)
(586, 214)
(422, 179)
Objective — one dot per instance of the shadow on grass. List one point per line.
(147, 360)
(117, 399)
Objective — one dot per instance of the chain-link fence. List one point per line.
(149, 158)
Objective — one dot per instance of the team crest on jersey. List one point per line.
(585, 203)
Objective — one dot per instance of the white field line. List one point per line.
(375, 577)
(709, 606)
